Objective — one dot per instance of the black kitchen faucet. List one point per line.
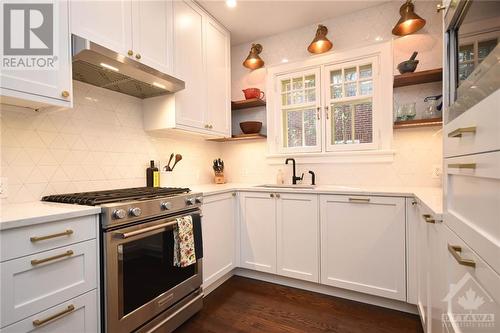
(294, 177)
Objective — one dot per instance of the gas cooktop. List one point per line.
(114, 196)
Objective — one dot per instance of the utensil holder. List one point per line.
(166, 179)
(219, 178)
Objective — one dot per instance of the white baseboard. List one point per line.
(315, 287)
(217, 283)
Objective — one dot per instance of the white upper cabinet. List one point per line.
(138, 29)
(202, 59)
(50, 86)
(363, 244)
(107, 23)
(218, 77)
(152, 33)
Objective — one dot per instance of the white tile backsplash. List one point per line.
(99, 144)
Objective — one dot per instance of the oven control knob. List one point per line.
(135, 211)
(198, 200)
(167, 205)
(119, 214)
(190, 201)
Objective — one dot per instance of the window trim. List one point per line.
(382, 122)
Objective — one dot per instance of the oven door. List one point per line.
(140, 278)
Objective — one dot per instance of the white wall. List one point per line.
(99, 144)
(417, 150)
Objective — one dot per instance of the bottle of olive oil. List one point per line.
(152, 175)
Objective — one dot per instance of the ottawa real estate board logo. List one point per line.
(28, 36)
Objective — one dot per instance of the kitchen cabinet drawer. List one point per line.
(475, 131)
(34, 283)
(474, 293)
(472, 205)
(78, 315)
(24, 241)
(363, 244)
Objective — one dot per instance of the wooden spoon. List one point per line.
(178, 157)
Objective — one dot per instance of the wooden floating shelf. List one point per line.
(408, 79)
(240, 137)
(418, 123)
(247, 103)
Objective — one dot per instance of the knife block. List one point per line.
(219, 178)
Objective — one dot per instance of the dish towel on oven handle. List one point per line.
(184, 254)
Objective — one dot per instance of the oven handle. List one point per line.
(124, 235)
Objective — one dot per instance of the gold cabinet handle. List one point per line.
(455, 251)
(138, 56)
(318, 112)
(271, 195)
(278, 195)
(428, 218)
(459, 131)
(65, 93)
(130, 52)
(68, 310)
(359, 200)
(462, 165)
(233, 194)
(60, 234)
(440, 7)
(35, 262)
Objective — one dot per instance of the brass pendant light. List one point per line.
(254, 61)
(409, 21)
(320, 43)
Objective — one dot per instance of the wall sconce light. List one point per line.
(320, 43)
(409, 21)
(253, 61)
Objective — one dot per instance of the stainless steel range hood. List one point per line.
(102, 67)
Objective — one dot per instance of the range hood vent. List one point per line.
(101, 67)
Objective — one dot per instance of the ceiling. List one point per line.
(254, 19)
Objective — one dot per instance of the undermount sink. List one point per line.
(297, 186)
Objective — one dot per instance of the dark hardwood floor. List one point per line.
(247, 305)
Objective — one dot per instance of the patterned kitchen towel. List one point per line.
(184, 242)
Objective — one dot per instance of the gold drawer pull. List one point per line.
(68, 310)
(455, 251)
(35, 262)
(462, 166)
(360, 200)
(428, 218)
(60, 234)
(459, 131)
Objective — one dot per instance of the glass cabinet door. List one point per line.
(300, 112)
(349, 105)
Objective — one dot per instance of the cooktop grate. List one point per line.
(118, 195)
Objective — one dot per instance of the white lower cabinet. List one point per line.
(363, 244)
(77, 315)
(219, 236)
(298, 236)
(34, 283)
(258, 231)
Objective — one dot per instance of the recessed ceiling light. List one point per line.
(231, 3)
(109, 67)
(379, 39)
(284, 60)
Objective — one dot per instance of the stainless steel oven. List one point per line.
(472, 54)
(141, 281)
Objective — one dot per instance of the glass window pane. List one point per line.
(336, 76)
(464, 70)
(285, 85)
(350, 74)
(363, 123)
(336, 91)
(298, 97)
(365, 71)
(352, 122)
(365, 87)
(310, 127)
(297, 83)
(310, 95)
(466, 53)
(350, 89)
(341, 123)
(293, 128)
(484, 48)
(310, 81)
(286, 99)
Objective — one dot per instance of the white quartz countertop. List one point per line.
(430, 197)
(30, 213)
